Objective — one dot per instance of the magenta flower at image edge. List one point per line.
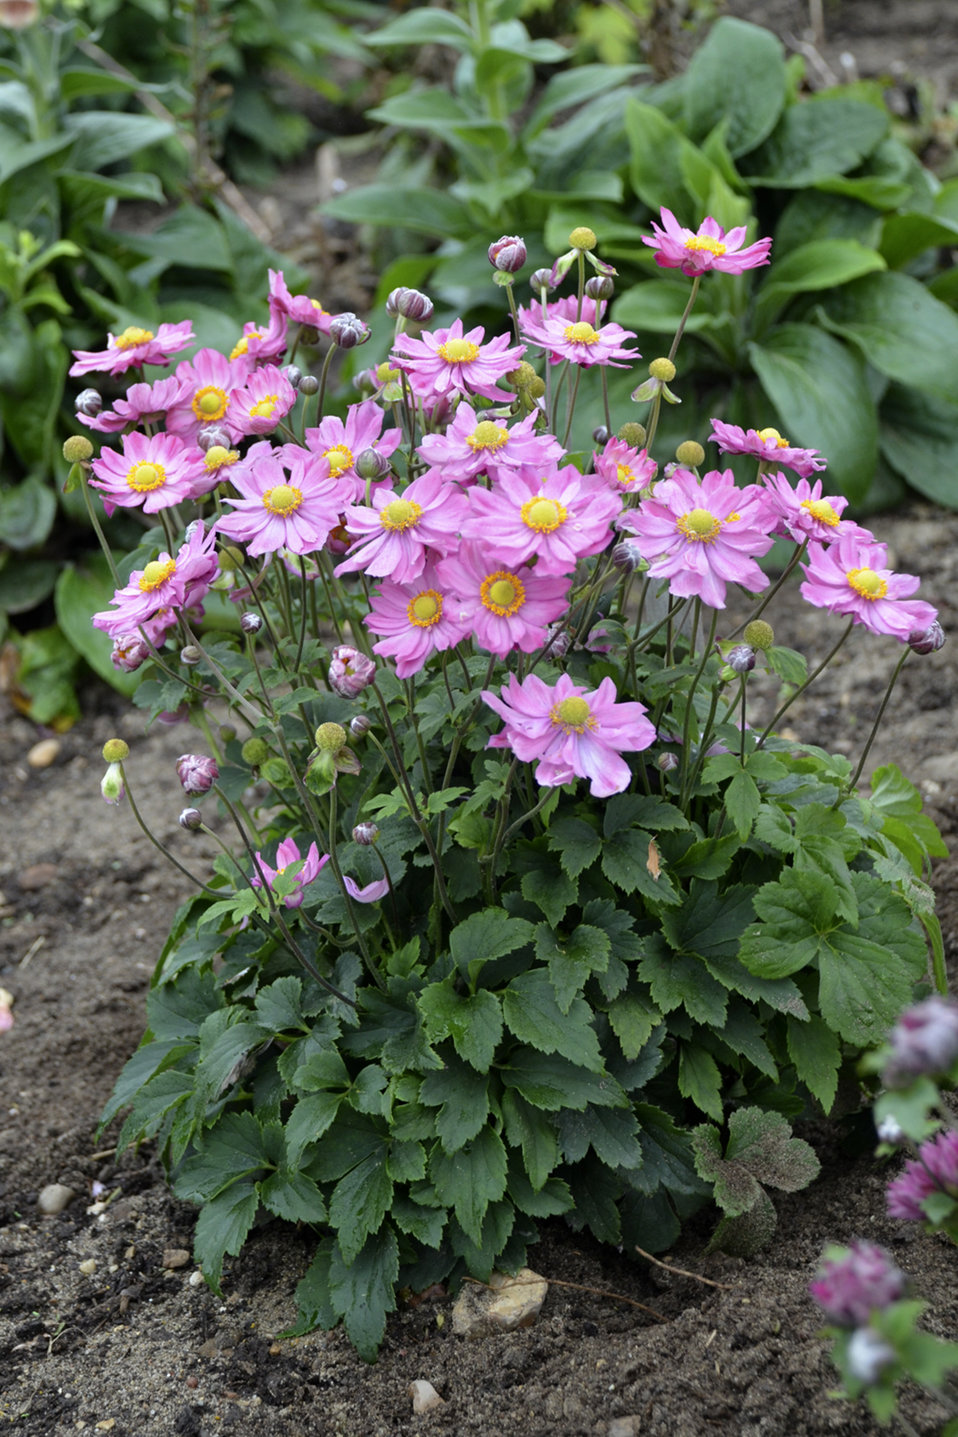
(855, 1281)
(935, 1170)
(133, 347)
(924, 1041)
(569, 731)
(696, 252)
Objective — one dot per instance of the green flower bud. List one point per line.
(583, 238)
(662, 369)
(77, 449)
(255, 752)
(330, 737)
(632, 434)
(275, 771)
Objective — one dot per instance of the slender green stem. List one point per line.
(161, 847)
(697, 280)
(347, 897)
(97, 527)
(849, 787)
(807, 684)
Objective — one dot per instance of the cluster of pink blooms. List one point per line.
(483, 544)
(933, 1172)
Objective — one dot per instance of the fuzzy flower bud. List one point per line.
(601, 435)
(667, 762)
(197, 773)
(347, 330)
(662, 369)
(190, 656)
(255, 752)
(365, 834)
(583, 238)
(372, 464)
(542, 279)
(111, 784)
(330, 737)
(759, 634)
(558, 641)
(213, 437)
(115, 750)
(508, 254)
(308, 385)
(690, 454)
(632, 434)
(77, 449)
(741, 659)
(89, 402)
(600, 286)
(130, 652)
(923, 1041)
(191, 819)
(626, 556)
(410, 304)
(927, 641)
(293, 374)
(350, 672)
(855, 1281)
(251, 622)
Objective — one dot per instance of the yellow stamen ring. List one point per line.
(143, 478)
(544, 515)
(459, 351)
(573, 714)
(425, 609)
(209, 403)
(867, 584)
(700, 526)
(282, 499)
(263, 408)
(340, 459)
(133, 336)
(502, 593)
(581, 333)
(400, 514)
(155, 574)
(704, 242)
(770, 433)
(487, 435)
(821, 510)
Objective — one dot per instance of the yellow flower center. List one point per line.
(700, 526)
(385, 374)
(487, 435)
(542, 514)
(263, 408)
(459, 351)
(156, 574)
(133, 336)
(771, 433)
(502, 593)
(340, 459)
(705, 242)
(242, 345)
(624, 475)
(143, 477)
(318, 307)
(209, 403)
(574, 715)
(425, 609)
(867, 583)
(219, 457)
(282, 499)
(581, 333)
(400, 514)
(821, 509)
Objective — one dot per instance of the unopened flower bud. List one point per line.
(115, 750)
(365, 834)
(690, 454)
(410, 304)
(330, 737)
(927, 641)
(371, 464)
(923, 1042)
(508, 254)
(308, 385)
(662, 369)
(626, 556)
(868, 1354)
(667, 762)
(213, 437)
(227, 733)
(359, 725)
(77, 449)
(350, 672)
(348, 330)
(600, 286)
(111, 784)
(89, 402)
(633, 434)
(293, 374)
(890, 1130)
(197, 772)
(541, 279)
(230, 558)
(741, 659)
(251, 622)
(558, 641)
(130, 652)
(759, 634)
(255, 752)
(601, 435)
(191, 819)
(583, 238)
(190, 655)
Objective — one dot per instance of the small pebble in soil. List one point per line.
(42, 754)
(506, 1304)
(424, 1396)
(175, 1257)
(88, 1267)
(54, 1198)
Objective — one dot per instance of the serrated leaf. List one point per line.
(817, 1055)
(549, 1081)
(533, 1014)
(222, 1227)
(529, 1129)
(233, 1149)
(462, 1096)
(363, 1292)
(293, 1196)
(573, 960)
(359, 1202)
(700, 1080)
(279, 1006)
(676, 979)
(632, 1021)
(551, 890)
(625, 863)
(576, 842)
(610, 1132)
(486, 935)
(469, 1180)
(473, 1021)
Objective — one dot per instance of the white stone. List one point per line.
(506, 1304)
(42, 754)
(424, 1396)
(54, 1198)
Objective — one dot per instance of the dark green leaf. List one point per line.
(484, 936)
(426, 211)
(462, 1096)
(815, 140)
(222, 1227)
(901, 329)
(473, 1021)
(700, 1080)
(822, 264)
(572, 960)
(681, 979)
(529, 1129)
(359, 1202)
(736, 76)
(533, 1014)
(919, 439)
(576, 842)
(817, 1055)
(470, 1179)
(549, 1081)
(293, 1196)
(363, 1291)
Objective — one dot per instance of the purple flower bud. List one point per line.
(130, 651)
(294, 374)
(508, 254)
(371, 464)
(89, 402)
(365, 834)
(190, 819)
(350, 672)
(855, 1281)
(251, 622)
(308, 385)
(626, 556)
(927, 641)
(410, 303)
(601, 435)
(923, 1041)
(347, 330)
(868, 1355)
(212, 436)
(667, 762)
(599, 286)
(741, 659)
(197, 773)
(558, 641)
(359, 725)
(542, 279)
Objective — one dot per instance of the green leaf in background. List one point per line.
(424, 27)
(222, 1227)
(80, 593)
(817, 1055)
(818, 387)
(738, 76)
(25, 583)
(901, 329)
(424, 210)
(101, 137)
(471, 1179)
(814, 140)
(919, 439)
(822, 264)
(665, 168)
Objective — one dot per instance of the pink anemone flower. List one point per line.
(766, 445)
(415, 620)
(804, 513)
(581, 343)
(134, 347)
(286, 501)
(557, 518)
(152, 472)
(850, 577)
(472, 446)
(287, 854)
(502, 608)
(340, 442)
(392, 534)
(707, 248)
(569, 731)
(446, 362)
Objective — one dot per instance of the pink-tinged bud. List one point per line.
(372, 465)
(927, 641)
(293, 374)
(250, 622)
(600, 286)
(190, 656)
(347, 330)
(410, 304)
(626, 556)
(365, 834)
(667, 762)
(741, 659)
(130, 651)
(855, 1281)
(542, 279)
(508, 254)
(359, 725)
(89, 402)
(923, 1042)
(191, 819)
(197, 773)
(111, 784)
(601, 435)
(174, 716)
(350, 672)
(558, 641)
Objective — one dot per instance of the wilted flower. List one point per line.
(286, 855)
(768, 446)
(197, 772)
(855, 1281)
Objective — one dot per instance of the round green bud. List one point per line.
(521, 377)
(759, 634)
(77, 449)
(115, 750)
(230, 558)
(536, 388)
(632, 434)
(330, 737)
(662, 369)
(255, 752)
(583, 238)
(276, 772)
(690, 453)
